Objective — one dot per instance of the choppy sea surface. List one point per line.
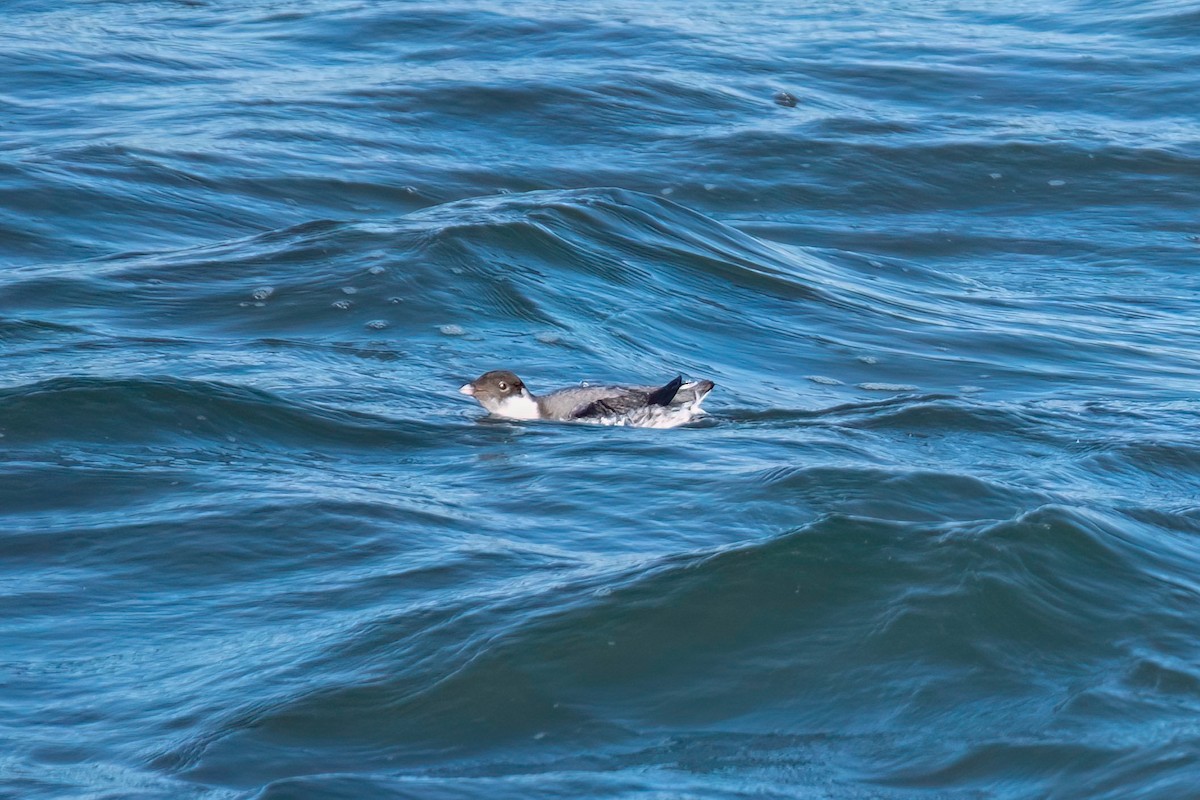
(938, 538)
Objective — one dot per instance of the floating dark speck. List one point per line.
(786, 99)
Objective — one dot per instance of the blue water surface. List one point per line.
(938, 538)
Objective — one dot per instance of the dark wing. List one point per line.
(614, 405)
(629, 400)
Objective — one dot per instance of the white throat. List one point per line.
(520, 406)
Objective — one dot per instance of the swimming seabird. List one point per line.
(503, 394)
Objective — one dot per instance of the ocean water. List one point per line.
(938, 538)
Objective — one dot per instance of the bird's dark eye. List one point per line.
(503, 386)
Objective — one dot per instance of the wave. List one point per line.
(847, 625)
(141, 410)
(629, 283)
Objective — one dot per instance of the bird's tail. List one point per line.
(664, 396)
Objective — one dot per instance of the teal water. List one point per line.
(939, 538)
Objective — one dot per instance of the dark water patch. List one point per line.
(934, 416)
(1162, 470)
(1155, 20)
(594, 672)
(147, 410)
(21, 331)
(1164, 458)
(902, 496)
(43, 485)
(1183, 520)
(256, 545)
